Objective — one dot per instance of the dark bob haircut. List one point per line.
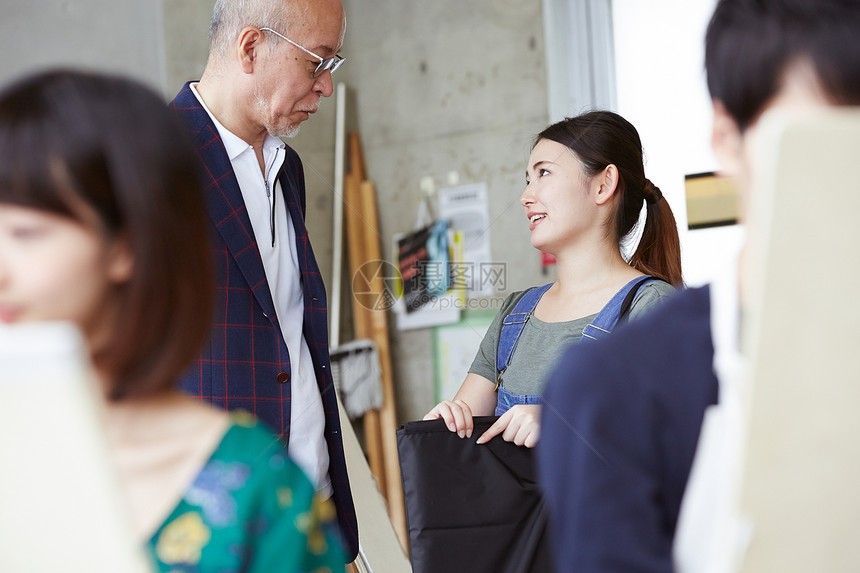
(751, 43)
(106, 152)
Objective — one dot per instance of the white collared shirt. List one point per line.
(711, 535)
(281, 264)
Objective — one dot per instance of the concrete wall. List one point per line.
(186, 41)
(163, 43)
(435, 87)
(124, 37)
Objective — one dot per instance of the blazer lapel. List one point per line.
(294, 199)
(224, 201)
(313, 289)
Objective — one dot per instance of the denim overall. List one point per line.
(514, 323)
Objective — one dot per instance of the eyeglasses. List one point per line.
(331, 64)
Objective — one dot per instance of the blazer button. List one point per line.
(283, 377)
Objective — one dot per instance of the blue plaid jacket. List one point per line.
(246, 364)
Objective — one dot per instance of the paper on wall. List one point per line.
(466, 208)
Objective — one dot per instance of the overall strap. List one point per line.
(615, 310)
(512, 327)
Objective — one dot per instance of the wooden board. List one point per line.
(371, 322)
(388, 414)
(355, 232)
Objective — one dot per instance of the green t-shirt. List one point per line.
(541, 343)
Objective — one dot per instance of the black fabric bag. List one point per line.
(471, 508)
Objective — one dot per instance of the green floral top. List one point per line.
(250, 509)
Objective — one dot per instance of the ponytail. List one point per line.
(659, 250)
(601, 138)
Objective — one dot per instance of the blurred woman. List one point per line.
(102, 224)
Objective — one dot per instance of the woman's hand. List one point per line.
(457, 416)
(520, 424)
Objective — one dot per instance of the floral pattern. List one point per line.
(182, 540)
(213, 489)
(249, 509)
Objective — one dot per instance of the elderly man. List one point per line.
(270, 63)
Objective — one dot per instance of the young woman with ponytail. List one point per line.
(585, 189)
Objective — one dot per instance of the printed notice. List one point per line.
(465, 207)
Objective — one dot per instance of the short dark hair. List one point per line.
(751, 43)
(107, 152)
(600, 138)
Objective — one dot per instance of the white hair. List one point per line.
(229, 17)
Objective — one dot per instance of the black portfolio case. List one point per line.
(471, 508)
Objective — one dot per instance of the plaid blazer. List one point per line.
(246, 364)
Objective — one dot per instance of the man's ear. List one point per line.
(120, 261)
(248, 48)
(606, 182)
(727, 141)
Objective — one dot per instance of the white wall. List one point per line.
(661, 89)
